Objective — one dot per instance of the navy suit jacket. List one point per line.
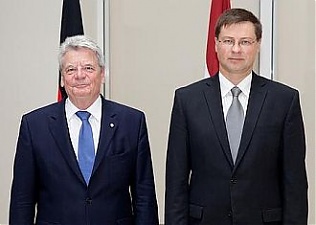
(267, 184)
(46, 173)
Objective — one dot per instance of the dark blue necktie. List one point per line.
(86, 153)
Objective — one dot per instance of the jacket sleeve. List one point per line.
(143, 189)
(177, 168)
(23, 193)
(293, 167)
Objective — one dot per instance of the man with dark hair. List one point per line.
(236, 149)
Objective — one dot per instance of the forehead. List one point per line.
(238, 30)
(79, 55)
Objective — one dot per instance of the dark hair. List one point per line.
(237, 15)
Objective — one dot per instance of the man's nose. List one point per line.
(236, 47)
(80, 72)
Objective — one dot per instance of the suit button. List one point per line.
(88, 201)
(233, 180)
(229, 214)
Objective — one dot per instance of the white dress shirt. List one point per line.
(227, 96)
(74, 122)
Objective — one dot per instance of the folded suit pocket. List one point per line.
(125, 221)
(196, 211)
(46, 223)
(272, 215)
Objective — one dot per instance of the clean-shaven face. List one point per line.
(237, 48)
(82, 76)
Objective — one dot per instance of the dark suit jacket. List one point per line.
(268, 182)
(46, 173)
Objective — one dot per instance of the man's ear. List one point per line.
(259, 46)
(103, 75)
(215, 40)
(62, 84)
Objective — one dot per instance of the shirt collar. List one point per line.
(95, 109)
(243, 85)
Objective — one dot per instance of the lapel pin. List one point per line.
(111, 125)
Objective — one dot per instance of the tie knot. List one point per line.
(235, 91)
(83, 115)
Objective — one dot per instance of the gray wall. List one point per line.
(28, 50)
(155, 47)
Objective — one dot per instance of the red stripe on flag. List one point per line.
(217, 8)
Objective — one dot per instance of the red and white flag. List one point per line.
(217, 8)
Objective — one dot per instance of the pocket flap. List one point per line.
(271, 215)
(196, 211)
(125, 221)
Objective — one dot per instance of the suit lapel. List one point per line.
(59, 129)
(109, 125)
(256, 99)
(212, 95)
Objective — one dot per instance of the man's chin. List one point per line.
(81, 94)
(81, 89)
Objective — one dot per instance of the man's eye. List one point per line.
(228, 42)
(70, 70)
(89, 68)
(245, 43)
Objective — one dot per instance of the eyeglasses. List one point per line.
(231, 42)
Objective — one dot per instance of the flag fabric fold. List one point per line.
(71, 24)
(217, 8)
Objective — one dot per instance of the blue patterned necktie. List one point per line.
(234, 122)
(86, 153)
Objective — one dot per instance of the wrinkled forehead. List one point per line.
(79, 55)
